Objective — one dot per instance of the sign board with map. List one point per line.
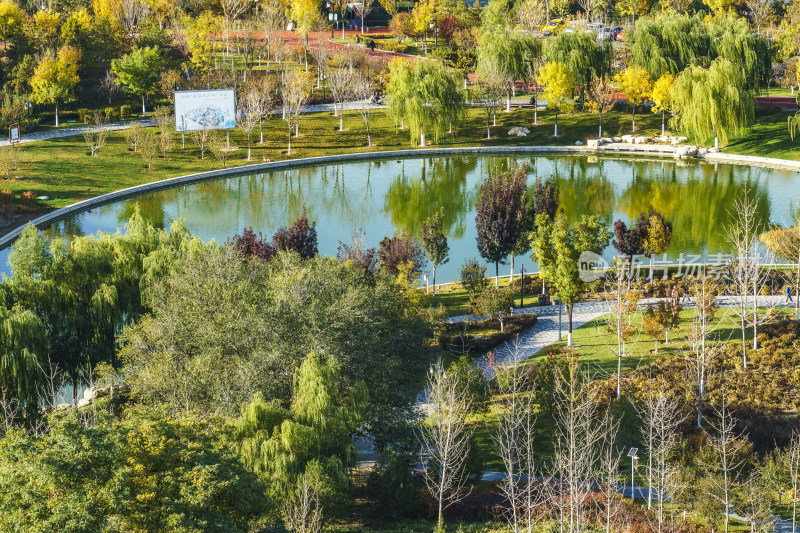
(205, 110)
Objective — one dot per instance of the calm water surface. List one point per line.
(382, 197)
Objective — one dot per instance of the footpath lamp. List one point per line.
(332, 17)
(435, 27)
(634, 459)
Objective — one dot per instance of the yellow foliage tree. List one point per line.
(662, 96)
(108, 9)
(162, 9)
(421, 17)
(785, 243)
(637, 85)
(200, 38)
(559, 88)
(11, 20)
(56, 77)
(78, 22)
(46, 22)
(720, 7)
(305, 14)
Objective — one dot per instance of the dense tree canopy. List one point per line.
(145, 472)
(80, 296)
(223, 329)
(670, 43)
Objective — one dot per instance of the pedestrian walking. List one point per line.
(789, 294)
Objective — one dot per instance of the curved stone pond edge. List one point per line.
(138, 190)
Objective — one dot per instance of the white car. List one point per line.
(594, 27)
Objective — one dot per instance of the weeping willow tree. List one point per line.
(22, 349)
(314, 433)
(86, 291)
(425, 97)
(669, 43)
(511, 54)
(731, 38)
(582, 55)
(712, 101)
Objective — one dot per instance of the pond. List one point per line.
(382, 197)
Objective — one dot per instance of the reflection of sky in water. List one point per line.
(381, 196)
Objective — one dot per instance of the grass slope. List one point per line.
(62, 170)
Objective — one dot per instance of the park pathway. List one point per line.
(546, 330)
(72, 131)
(115, 126)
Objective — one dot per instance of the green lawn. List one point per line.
(62, 169)
(595, 347)
(456, 300)
(769, 137)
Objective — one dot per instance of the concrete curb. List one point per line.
(138, 190)
(751, 160)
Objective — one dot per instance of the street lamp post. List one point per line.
(632, 454)
(435, 27)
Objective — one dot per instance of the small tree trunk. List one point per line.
(663, 118)
(434, 280)
(497, 274)
(633, 114)
(56, 115)
(569, 320)
(144, 109)
(555, 131)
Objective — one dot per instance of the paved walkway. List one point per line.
(114, 126)
(72, 131)
(545, 331)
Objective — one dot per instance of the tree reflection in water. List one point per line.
(388, 196)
